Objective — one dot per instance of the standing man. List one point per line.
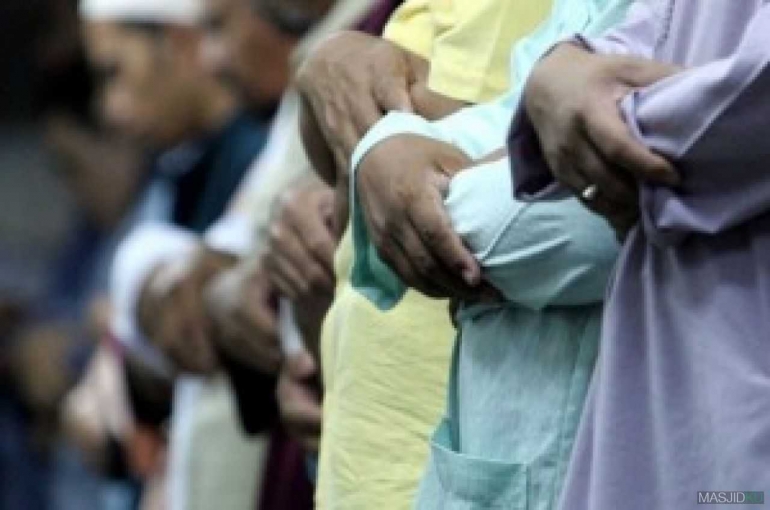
(155, 87)
(678, 407)
(385, 374)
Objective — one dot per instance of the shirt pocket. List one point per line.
(455, 481)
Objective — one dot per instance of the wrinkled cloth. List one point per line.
(521, 368)
(385, 374)
(680, 397)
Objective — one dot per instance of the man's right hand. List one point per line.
(572, 99)
(401, 184)
(241, 303)
(300, 254)
(171, 310)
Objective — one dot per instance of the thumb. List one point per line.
(641, 72)
(452, 161)
(301, 365)
(393, 94)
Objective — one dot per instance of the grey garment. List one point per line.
(680, 402)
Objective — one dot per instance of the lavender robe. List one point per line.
(680, 401)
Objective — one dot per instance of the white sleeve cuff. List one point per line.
(137, 256)
(232, 234)
(393, 124)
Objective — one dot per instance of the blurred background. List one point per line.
(61, 213)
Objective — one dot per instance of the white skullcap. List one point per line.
(182, 12)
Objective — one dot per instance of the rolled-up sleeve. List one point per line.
(712, 122)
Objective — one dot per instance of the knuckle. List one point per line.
(330, 118)
(432, 235)
(317, 245)
(426, 266)
(316, 280)
(614, 149)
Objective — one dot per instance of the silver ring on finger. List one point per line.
(590, 192)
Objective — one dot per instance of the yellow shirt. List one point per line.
(468, 42)
(385, 374)
(385, 378)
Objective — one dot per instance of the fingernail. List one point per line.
(470, 276)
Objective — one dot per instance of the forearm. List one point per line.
(537, 254)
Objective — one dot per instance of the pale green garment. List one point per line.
(521, 368)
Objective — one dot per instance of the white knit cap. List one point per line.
(182, 12)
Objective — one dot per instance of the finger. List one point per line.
(284, 287)
(317, 274)
(174, 344)
(392, 94)
(572, 176)
(401, 250)
(196, 327)
(255, 350)
(341, 208)
(640, 72)
(400, 260)
(393, 255)
(431, 277)
(252, 344)
(364, 113)
(341, 159)
(285, 276)
(300, 408)
(350, 126)
(301, 365)
(311, 247)
(560, 163)
(614, 186)
(260, 316)
(339, 133)
(597, 203)
(451, 161)
(434, 227)
(612, 137)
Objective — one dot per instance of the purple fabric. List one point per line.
(286, 485)
(680, 401)
(375, 20)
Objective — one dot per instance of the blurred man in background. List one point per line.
(156, 88)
